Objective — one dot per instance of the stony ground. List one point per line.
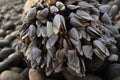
(12, 66)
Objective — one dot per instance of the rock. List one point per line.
(18, 22)
(10, 37)
(105, 1)
(117, 2)
(14, 43)
(114, 10)
(10, 75)
(16, 69)
(34, 74)
(117, 78)
(8, 25)
(4, 43)
(1, 17)
(113, 57)
(9, 31)
(90, 77)
(24, 74)
(4, 9)
(1, 38)
(2, 33)
(113, 71)
(5, 52)
(7, 16)
(94, 65)
(19, 8)
(17, 2)
(14, 18)
(15, 59)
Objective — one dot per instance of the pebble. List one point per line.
(16, 69)
(4, 43)
(5, 52)
(94, 64)
(4, 9)
(8, 25)
(113, 71)
(114, 11)
(10, 37)
(34, 74)
(19, 8)
(9, 31)
(90, 77)
(117, 2)
(1, 17)
(117, 78)
(24, 74)
(15, 59)
(10, 75)
(7, 16)
(2, 33)
(9, 59)
(14, 43)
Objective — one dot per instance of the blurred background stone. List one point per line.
(10, 75)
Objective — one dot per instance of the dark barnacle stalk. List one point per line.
(60, 42)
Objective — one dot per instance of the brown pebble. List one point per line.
(34, 74)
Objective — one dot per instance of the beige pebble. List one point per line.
(10, 75)
(34, 74)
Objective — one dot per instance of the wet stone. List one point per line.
(16, 69)
(19, 8)
(117, 2)
(4, 9)
(4, 43)
(34, 74)
(94, 65)
(1, 17)
(90, 77)
(117, 78)
(2, 33)
(24, 74)
(113, 71)
(8, 25)
(5, 52)
(10, 75)
(9, 31)
(7, 16)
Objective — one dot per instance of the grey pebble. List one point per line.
(113, 71)
(10, 75)
(1, 17)
(94, 65)
(11, 36)
(24, 74)
(5, 52)
(90, 77)
(4, 43)
(16, 69)
(117, 78)
(2, 33)
(7, 16)
(8, 25)
(9, 31)
(117, 2)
